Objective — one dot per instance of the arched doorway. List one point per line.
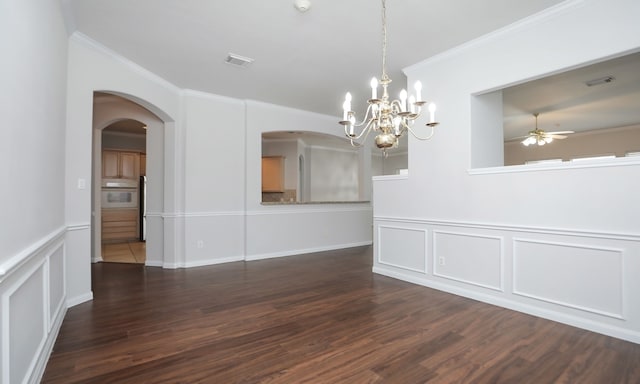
(110, 109)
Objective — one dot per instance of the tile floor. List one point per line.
(130, 252)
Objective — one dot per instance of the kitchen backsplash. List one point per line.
(289, 195)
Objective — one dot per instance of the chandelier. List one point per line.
(391, 119)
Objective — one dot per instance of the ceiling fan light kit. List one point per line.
(390, 118)
(540, 137)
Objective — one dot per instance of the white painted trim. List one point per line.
(350, 150)
(512, 228)
(618, 316)
(6, 324)
(576, 321)
(22, 257)
(211, 96)
(136, 68)
(73, 301)
(557, 166)
(426, 247)
(153, 263)
(390, 177)
(499, 288)
(305, 250)
(508, 30)
(78, 227)
(285, 209)
(201, 263)
(45, 352)
(213, 214)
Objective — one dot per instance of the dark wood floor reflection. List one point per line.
(321, 318)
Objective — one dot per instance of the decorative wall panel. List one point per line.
(573, 275)
(468, 258)
(403, 248)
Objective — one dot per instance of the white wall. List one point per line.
(333, 174)
(214, 179)
(32, 154)
(280, 230)
(561, 243)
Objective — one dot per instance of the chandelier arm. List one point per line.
(422, 138)
(366, 117)
(365, 131)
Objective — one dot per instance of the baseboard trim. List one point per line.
(605, 329)
(306, 250)
(71, 302)
(47, 348)
(202, 263)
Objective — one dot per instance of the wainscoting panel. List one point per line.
(56, 283)
(33, 305)
(27, 323)
(576, 276)
(404, 248)
(585, 279)
(468, 258)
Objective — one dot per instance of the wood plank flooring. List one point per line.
(320, 318)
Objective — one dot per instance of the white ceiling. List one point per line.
(566, 103)
(302, 60)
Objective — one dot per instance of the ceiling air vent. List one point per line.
(237, 60)
(602, 80)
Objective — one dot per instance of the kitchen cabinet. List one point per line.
(120, 164)
(273, 174)
(119, 224)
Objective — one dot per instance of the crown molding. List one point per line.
(519, 25)
(88, 42)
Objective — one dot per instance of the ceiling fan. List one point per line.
(540, 137)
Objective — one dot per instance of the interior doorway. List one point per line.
(128, 180)
(123, 202)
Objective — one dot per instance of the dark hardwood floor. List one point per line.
(321, 318)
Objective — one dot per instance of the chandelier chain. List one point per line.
(384, 40)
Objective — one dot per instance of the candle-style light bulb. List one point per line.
(412, 104)
(418, 87)
(346, 106)
(374, 88)
(403, 100)
(352, 122)
(432, 113)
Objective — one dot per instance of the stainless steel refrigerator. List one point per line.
(143, 208)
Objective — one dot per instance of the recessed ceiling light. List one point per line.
(601, 80)
(237, 60)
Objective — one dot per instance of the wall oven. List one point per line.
(119, 193)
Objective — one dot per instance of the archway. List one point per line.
(108, 109)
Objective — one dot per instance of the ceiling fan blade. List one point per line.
(557, 136)
(560, 132)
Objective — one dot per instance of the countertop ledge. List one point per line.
(313, 202)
